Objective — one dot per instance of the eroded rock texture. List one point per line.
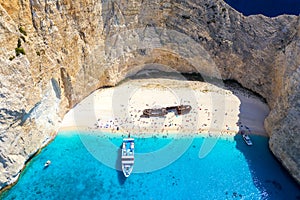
(54, 53)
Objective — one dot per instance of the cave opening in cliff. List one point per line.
(156, 70)
(233, 83)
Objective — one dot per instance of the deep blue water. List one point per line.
(231, 170)
(270, 8)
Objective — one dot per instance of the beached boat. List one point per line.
(247, 139)
(181, 109)
(160, 112)
(127, 156)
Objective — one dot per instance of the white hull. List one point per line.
(247, 140)
(127, 156)
(47, 163)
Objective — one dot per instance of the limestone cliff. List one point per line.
(54, 53)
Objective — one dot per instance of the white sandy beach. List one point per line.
(214, 111)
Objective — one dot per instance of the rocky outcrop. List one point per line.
(283, 121)
(57, 52)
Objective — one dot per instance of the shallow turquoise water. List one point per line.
(231, 170)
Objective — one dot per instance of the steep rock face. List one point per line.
(74, 47)
(283, 120)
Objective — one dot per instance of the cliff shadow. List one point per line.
(156, 71)
(268, 175)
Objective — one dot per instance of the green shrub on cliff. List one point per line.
(19, 51)
(21, 29)
(11, 58)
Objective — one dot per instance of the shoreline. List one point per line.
(109, 133)
(215, 110)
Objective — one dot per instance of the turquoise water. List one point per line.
(231, 170)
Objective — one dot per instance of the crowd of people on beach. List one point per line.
(199, 120)
(214, 111)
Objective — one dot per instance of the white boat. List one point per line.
(247, 139)
(47, 163)
(127, 156)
